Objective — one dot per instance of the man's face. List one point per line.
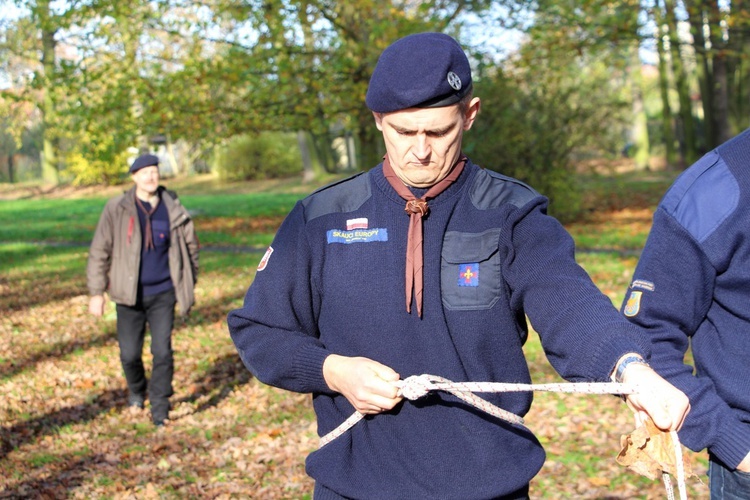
(146, 180)
(422, 144)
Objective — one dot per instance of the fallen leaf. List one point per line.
(649, 451)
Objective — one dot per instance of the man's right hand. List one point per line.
(96, 305)
(366, 384)
(745, 464)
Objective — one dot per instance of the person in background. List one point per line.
(429, 264)
(691, 290)
(144, 254)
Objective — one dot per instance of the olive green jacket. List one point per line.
(115, 253)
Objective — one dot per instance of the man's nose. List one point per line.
(422, 148)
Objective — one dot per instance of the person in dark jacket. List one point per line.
(691, 290)
(145, 255)
(429, 264)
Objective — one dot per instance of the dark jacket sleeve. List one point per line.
(275, 331)
(581, 331)
(100, 253)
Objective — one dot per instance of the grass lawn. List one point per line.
(66, 432)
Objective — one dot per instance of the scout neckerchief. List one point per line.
(148, 238)
(417, 208)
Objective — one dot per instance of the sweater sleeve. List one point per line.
(275, 331)
(581, 331)
(670, 304)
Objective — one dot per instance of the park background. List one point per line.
(250, 106)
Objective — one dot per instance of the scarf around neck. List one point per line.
(417, 208)
(148, 238)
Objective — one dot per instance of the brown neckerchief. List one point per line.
(417, 208)
(148, 238)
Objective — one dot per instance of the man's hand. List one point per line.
(664, 403)
(745, 464)
(96, 305)
(366, 384)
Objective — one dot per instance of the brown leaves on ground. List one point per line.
(65, 430)
(649, 451)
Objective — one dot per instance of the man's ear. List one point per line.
(378, 120)
(471, 113)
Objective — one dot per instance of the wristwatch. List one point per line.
(629, 360)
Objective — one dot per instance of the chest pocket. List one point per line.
(470, 270)
(160, 231)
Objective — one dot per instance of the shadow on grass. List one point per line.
(57, 484)
(58, 350)
(30, 430)
(45, 288)
(224, 376)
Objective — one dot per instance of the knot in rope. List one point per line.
(417, 207)
(416, 386)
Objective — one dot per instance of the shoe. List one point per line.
(136, 401)
(159, 415)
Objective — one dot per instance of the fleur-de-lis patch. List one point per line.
(468, 274)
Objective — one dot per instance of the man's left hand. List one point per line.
(664, 403)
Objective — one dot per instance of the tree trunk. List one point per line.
(640, 121)
(720, 84)
(697, 18)
(176, 166)
(370, 143)
(689, 150)
(308, 174)
(736, 51)
(50, 171)
(666, 107)
(307, 167)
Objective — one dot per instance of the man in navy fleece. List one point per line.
(429, 264)
(691, 289)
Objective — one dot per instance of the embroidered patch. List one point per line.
(468, 274)
(357, 235)
(360, 223)
(265, 259)
(645, 285)
(633, 305)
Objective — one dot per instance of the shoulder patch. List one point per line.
(345, 195)
(703, 196)
(633, 305)
(491, 190)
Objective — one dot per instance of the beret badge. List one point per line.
(454, 81)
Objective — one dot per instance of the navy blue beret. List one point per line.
(423, 70)
(144, 161)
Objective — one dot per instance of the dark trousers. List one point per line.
(158, 312)
(727, 484)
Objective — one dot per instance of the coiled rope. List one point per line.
(417, 386)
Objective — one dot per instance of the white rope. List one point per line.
(680, 466)
(416, 386)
